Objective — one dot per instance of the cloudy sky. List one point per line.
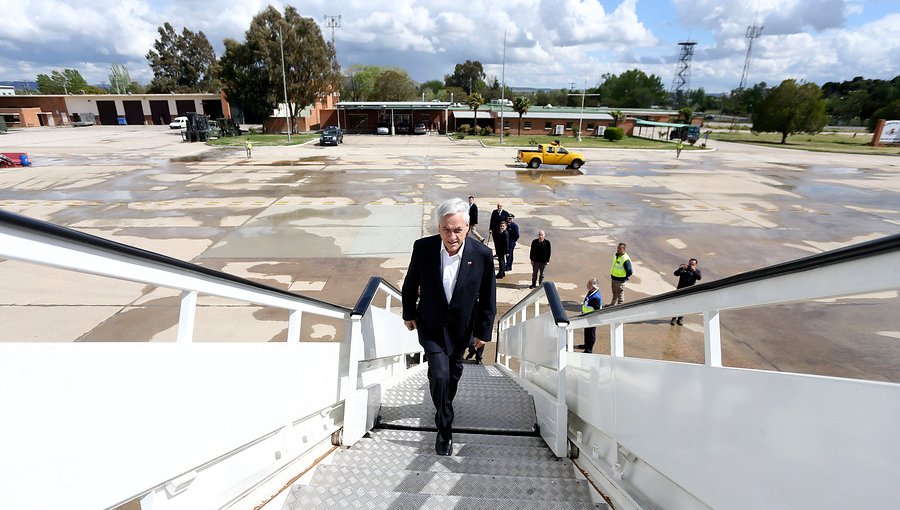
(549, 43)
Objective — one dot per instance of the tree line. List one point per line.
(251, 74)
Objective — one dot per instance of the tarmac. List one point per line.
(319, 221)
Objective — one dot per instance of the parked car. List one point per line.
(382, 129)
(331, 136)
(419, 129)
(403, 129)
(178, 123)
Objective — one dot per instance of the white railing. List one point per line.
(658, 434)
(537, 342)
(182, 425)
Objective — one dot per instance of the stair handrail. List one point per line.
(652, 431)
(542, 370)
(37, 241)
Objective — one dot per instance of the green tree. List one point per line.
(433, 86)
(887, 112)
(633, 89)
(394, 85)
(475, 100)
(120, 81)
(790, 108)
(246, 81)
(685, 115)
(521, 104)
(310, 64)
(743, 101)
(69, 81)
(469, 76)
(359, 82)
(181, 62)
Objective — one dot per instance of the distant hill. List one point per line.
(21, 85)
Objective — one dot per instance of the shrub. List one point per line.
(463, 130)
(487, 131)
(613, 133)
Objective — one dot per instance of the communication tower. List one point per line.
(682, 79)
(332, 22)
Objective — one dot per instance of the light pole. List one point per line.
(581, 116)
(284, 83)
(502, 88)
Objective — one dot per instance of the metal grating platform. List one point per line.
(498, 463)
(486, 400)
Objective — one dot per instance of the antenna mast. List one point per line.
(332, 22)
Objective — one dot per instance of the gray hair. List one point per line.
(451, 206)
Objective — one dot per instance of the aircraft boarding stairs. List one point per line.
(499, 461)
(204, 424)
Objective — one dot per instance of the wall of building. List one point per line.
(27, 117)
(155, 109)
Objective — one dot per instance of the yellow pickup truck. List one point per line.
(550, 154)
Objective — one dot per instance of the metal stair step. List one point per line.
(558, 468)
(452, 484)
(303, 497)
(410, 436)
(459, 449)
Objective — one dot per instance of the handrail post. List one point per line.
(562, 411)
(617, 339)
(186, 317)
(355, 399)
(387, 303)
(294, 327)
(712, 340)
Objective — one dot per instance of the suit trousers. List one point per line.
(444, 372)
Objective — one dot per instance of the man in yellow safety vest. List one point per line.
(619, 273)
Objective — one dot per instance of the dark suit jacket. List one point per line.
(472, 306)
(497, 216)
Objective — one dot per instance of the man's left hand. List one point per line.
(479, 343)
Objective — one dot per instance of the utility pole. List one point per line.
(334, 22)
(503, 87)
(284, 83)
(583, 95)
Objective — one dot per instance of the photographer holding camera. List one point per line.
(688, 274)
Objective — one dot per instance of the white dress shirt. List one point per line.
(450, 269)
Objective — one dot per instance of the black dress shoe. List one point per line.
(443, 447)
(477, 361)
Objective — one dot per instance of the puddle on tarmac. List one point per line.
(311, 160)
(545, 176)
(203, 156)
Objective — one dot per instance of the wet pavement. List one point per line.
(321, 220)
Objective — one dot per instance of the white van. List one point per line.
(178, 123)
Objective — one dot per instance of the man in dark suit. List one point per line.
(473, 219)
(449, 296)
(497, 215)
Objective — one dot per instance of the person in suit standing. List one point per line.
(473, 219)
(501, 248)
(497, 215)
(449, 296)
(513, 228)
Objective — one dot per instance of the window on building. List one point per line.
(590, 126)
(527, 124)
(547, 125)
(568, 126)
(505, 124)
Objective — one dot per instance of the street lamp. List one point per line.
(284, 83)
(581, 116)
